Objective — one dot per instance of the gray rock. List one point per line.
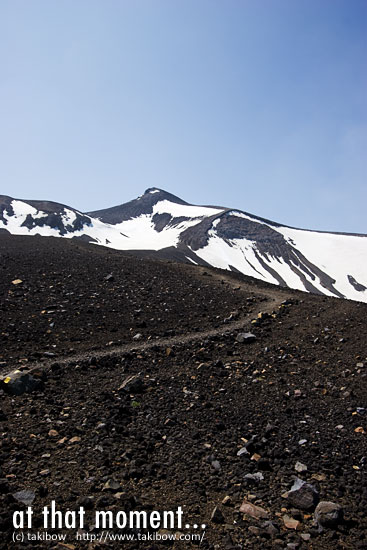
(243, 451)
(216, 465)
(25, 497)
(303, 495)
(245, 337)
(270, 528)
(328, 514)
(17, 383)
(299, 467)
(256, 477)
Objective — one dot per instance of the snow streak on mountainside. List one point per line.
(318, 262)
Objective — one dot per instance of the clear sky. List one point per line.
(259, 105)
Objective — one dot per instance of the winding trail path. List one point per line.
(274, 297)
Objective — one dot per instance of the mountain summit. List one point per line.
(332, 264)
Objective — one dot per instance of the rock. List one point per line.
(299, 467)
(328, 514)
(17, 282)
(227, 500)
(243, 451)
(245, 337)
(291, 523)
(17, 383)
(256, 477)
(306, 536)
(109, 278)
(217, 516)
(132, 384)
(53, 433)
(25, 497)
(253, 511)
(75, 439)
(270, 528)
(303, 495)
(138, 336)
(216, 465)
(112, 485)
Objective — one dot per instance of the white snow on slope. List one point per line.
(337, 255)
(179, 210)
(135, 234)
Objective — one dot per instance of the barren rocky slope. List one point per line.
(212, 418)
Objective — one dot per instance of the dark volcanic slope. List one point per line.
(75, 296)
(296, 394)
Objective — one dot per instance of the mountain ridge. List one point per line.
(320, 262)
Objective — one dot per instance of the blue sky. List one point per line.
(255, 104)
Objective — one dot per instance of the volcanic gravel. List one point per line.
(200, 414)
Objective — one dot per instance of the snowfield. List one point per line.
(331, 264)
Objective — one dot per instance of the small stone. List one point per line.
(256, 477)
(17, 383)
(253, 511)
(227, 500)
(75, 439)
(216, 465)
(53, 433)
(256, 457)
(217, 516)
(254, 530)
(245, 337)
(26, 497)
(132, 384)
(112, 485)
(138, 336)
(306, 536)
(17, 282)
(291, 523)
(299, 467)
(303, 495)
(328, 514)
(243, 451)
(319, 477)
(302, 441)
(270, 528)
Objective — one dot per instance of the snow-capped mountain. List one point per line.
(334, 264)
